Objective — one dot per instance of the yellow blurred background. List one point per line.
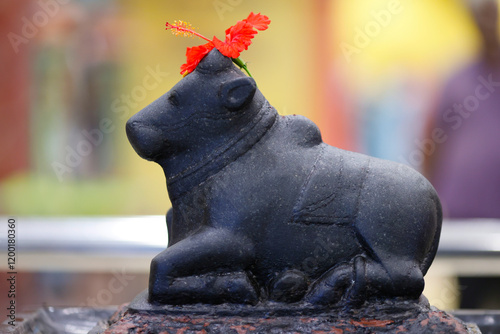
(81, 68)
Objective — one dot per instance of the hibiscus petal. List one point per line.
(194, 55)
(258, 21)
(227, 49)
(239, 36)
(241, 28)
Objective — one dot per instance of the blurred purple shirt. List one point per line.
(467, 165)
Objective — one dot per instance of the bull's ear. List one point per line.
(237, 93)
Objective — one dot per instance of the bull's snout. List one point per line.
(145, 138)
(130, 128)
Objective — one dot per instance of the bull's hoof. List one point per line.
(289, 287)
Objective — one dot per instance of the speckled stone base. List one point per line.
(384, 317)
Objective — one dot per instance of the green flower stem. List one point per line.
(242, 65)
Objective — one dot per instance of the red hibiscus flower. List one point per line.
(238, 38)
(194, 55)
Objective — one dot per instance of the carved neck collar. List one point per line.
(193, 175)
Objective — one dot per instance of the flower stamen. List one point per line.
(183, 28)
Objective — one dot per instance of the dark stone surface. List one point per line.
(77, 320)
(377, 317)
(263, 210)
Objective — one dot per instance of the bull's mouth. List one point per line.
(147, 140)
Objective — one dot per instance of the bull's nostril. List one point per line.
(131, 128)
(131, 124)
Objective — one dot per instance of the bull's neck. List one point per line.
(195, 173)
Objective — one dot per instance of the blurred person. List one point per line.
(465, 166)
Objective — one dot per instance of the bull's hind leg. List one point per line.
(209, 266)
(397, 224)
(289, 286)
(389, 278)
(363, 278)
(333, 286)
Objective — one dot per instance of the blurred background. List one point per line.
(368, 74)
(381, 77)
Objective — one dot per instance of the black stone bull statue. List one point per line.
(263, 210)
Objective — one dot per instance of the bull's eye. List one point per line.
(174, 98)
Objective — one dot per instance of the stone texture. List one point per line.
(386, 317)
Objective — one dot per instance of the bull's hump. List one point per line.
(302, 131)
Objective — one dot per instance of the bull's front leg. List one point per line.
(208, 267)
